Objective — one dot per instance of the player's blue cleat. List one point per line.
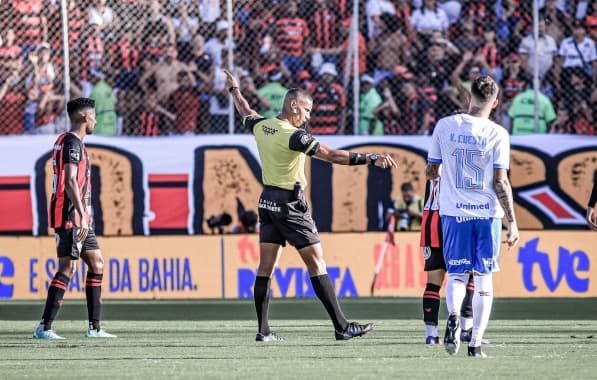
(432, 340)
(476, 351)
(40, 333)
(452, 337)
(353, 329)
(271, 337)
(101, 333)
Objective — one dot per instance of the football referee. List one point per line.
(283, 145)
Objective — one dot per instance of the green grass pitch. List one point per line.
(547, 339)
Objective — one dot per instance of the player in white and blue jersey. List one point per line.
(475, 195)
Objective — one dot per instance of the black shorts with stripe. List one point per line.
(434, 258)
(431, 241)
(283, 218)
(68, 246)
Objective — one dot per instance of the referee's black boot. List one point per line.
(270, 337)
(352, 330)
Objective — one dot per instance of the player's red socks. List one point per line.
(431, 304)
(55, 295)
(93, 293)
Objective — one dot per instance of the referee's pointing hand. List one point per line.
(385, 161)
(230, 80)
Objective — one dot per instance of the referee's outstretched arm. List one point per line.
(240, 103)
(345, 157)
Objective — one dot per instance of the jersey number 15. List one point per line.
(465, 164)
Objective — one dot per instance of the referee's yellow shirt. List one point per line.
(282, 149)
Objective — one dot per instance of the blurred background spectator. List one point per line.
(156, 65)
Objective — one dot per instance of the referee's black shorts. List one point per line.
(68, 246)
(283, 218)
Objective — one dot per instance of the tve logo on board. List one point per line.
(572, 266)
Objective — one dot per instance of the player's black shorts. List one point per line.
(283, 218)
(434, 258)
(67, 245)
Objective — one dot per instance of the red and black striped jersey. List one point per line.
(328, 102)
(69, 149)
(26, 18)
(290, 35)
(431, 226)
(324, 24)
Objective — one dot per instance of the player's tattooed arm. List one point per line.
(503, 189)
(432, 170)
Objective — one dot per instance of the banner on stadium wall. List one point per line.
(135, 267)
(171, 185)
(545, 264)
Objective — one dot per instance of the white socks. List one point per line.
(431, 330)
(482, 302)
(455, 292)
(466, 323)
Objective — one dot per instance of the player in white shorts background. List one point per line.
(475, 195)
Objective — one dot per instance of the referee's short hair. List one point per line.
(295, 93)
(484, 89)
(79, 104)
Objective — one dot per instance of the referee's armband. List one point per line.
(301, 141)
(357, 158)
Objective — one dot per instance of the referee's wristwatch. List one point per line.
(372, 159)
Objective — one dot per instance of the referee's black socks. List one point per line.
(325, 292)
(261, 297)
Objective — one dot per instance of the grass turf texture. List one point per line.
(215, 339)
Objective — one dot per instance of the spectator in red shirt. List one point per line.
(342, 49)
(124, 57)
(417, 110)
(25, 17)
(512, 84)
(152, 118)
(329, 103)
(325, 24)
(291, 37)
(491, 52)
(184, 104)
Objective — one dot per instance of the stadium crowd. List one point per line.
(154, 67)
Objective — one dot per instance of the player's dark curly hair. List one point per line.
(484, 89)
(79, 104)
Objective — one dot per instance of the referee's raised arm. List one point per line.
(240, 103)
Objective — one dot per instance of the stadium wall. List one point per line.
(545, 264)
(171, 185)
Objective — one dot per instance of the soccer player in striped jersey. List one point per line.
(431, 241)
(70, 216)
(475, 195)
